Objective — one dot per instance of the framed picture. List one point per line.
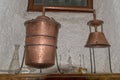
(37, 5)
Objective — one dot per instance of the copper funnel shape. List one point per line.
(97, 39)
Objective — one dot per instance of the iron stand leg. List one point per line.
(94, 60)
(91, 60)
(109, 59)
(21, 63)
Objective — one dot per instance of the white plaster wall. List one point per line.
(12, 29)
(72, 35)
(108, 10)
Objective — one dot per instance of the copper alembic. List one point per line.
(96, 39)
(41, 42)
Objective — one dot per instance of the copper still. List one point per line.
(96, 38)
(41, 41)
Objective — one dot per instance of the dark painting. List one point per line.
(37, 5)
(61, 2)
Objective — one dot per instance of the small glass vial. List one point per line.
(82, 70)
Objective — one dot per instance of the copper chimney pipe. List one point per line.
(41, 41)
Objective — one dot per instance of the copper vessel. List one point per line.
(41, 42)
(97, 39)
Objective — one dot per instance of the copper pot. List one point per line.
(41, 42)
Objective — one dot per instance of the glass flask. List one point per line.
(15, 64)
(70, 65)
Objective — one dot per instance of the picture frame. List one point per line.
(37, 5)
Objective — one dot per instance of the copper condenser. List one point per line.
(41, 42)
(96, 39)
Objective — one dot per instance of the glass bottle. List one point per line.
(70, 65)
(15, 64)
(82, 70)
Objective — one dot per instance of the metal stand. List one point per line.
(92, 60)
(109, 59)
(21, 63)
(58, 64)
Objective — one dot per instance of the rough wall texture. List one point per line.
(72, 35)
(108, 10)
(11, 28)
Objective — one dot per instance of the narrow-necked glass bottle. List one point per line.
(15, 64)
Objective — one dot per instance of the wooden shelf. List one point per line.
(59, 76)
